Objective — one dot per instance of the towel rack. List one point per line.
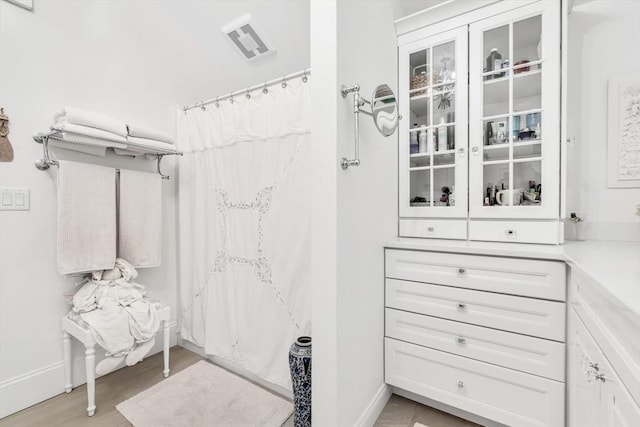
(46, 161)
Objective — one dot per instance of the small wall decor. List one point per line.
(6, 150)
(623, 162)
(25, 4)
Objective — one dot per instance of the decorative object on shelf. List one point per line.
(414, 147)
(300, 366)
(502, 197)
(494, 62)
(423, 147)
(419, 79)
(521, 69)
(6, 150)
(526, 134)
(623, 163)
(488, 133)
(442, 136)
(445, 75)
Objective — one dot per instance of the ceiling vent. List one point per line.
(243, 34)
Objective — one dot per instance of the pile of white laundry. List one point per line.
(121, 320)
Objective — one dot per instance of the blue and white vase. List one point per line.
(300, 366)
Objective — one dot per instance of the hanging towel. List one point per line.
(149, 145)
(140, 217)
(94, 150)
(90, 136)
(140, 132)
(86, 217)
(77, 116)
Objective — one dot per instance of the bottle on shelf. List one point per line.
(494, 62)
(442, 136)
(488, 133)
(422, 141)
(413, 141)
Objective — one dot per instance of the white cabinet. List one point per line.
(484, 335)
(490, 89)
(597, 396)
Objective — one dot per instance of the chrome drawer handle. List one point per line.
(462, 307)
(474, 150)
(461, 340)
(460, 384)
(430, 229)
(462, 272)
(510, 232)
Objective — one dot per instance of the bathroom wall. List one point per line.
(604, 42)
(355, 211)
(137, 61)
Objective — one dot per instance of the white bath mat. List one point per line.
(205, 395)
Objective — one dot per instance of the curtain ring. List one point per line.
(217, 102)
(248, 95)
(304, 76)
(265, 90)
(284, 83)
(231, 100)
(202, 107)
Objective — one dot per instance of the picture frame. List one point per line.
(25, 4)
(623, 133)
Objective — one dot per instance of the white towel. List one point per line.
(140, 216)
(86, 217)
(77, 116)
(125, 152)
(94, 150)
(141, 132)
(149, 145)
(90, 136)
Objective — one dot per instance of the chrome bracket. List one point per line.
(45, 162)
(160, 156)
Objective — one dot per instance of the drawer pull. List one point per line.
(509, 232)
(460, 384)
(461, 307)
(431, 229)
(462, 272)
(461, 340)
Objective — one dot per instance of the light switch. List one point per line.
(14, 199)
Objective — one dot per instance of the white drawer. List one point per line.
(499, 394)
(533, 355)
(516, 276)
(433, 228)
(538, 318)
(545, 232)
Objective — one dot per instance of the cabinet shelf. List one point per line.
(528, 84)
(524, 143)
(423, 168)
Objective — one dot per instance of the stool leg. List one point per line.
(66, 348)
(165, 343)
(90, 366)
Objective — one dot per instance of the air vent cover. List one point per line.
(243, 34)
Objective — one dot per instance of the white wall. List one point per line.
(604, 42)
(132, 60)
(360, 205)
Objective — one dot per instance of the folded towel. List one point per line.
(86, 217)
(140, 218)
(94, 150)
(149, 145)
(90, 136)
(77, 116)
(140, 132)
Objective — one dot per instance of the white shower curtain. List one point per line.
(245, 228)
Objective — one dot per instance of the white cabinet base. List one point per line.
(500, 394)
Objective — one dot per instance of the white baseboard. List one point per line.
(375, 407)
(33, 387)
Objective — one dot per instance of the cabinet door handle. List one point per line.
(474, 150)
(460, 384)
(462, 272)
(461, 340)
(431, 229)
(461, 307)
(460, 151)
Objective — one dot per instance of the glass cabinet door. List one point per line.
(514, 115)
(433, 130)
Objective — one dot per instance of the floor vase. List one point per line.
(300, 366)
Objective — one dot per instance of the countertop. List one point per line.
(613, 265)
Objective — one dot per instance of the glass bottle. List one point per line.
(413, 141)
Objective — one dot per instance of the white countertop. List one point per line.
(613, 265)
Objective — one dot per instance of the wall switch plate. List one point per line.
(14, 199)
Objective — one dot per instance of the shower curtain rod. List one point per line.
(283, 80)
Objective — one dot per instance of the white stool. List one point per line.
(83, 334)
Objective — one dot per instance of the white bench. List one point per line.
(71, 328)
